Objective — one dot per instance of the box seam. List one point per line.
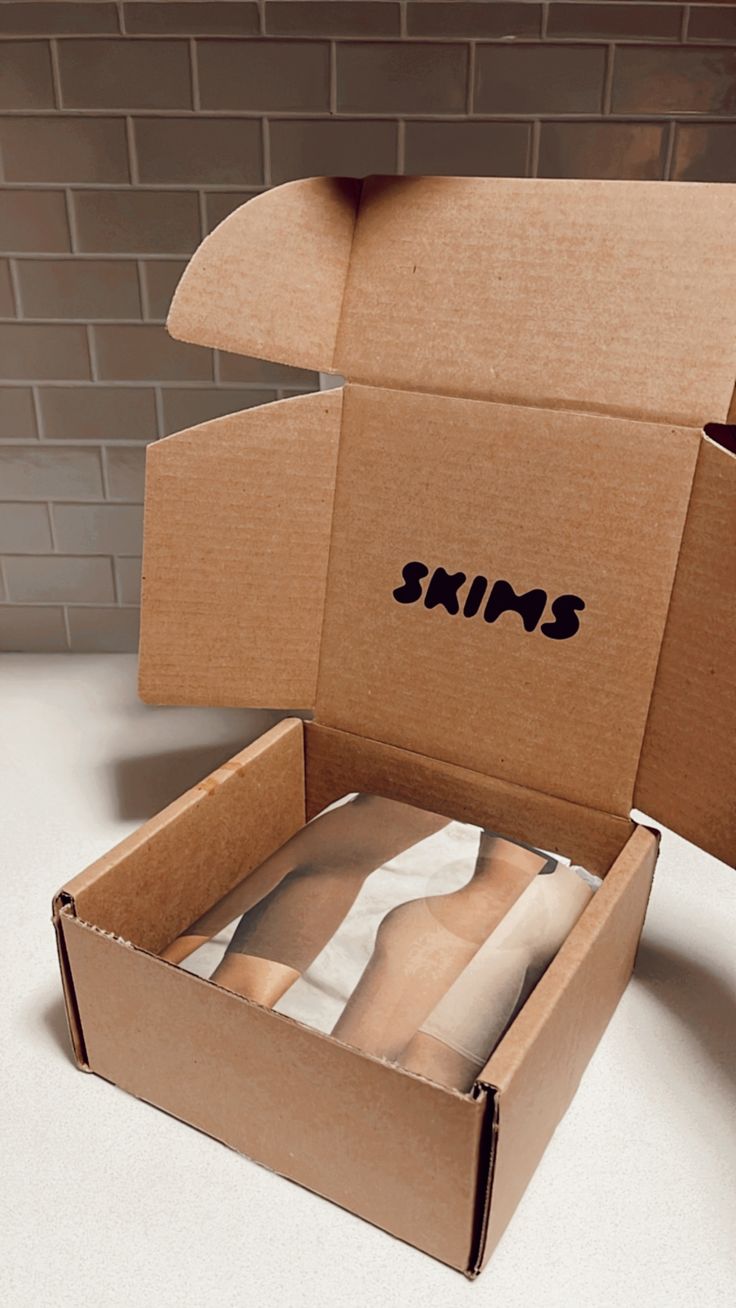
(516, 785)
(484, 1183)
(63, 904)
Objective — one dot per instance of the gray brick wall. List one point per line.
(129, 130)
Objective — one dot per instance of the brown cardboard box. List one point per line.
(499, 566)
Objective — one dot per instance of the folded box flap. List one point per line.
(609, 297)
(687, 772)
(236, 539)
(269, 280)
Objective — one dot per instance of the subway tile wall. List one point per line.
(129, 130)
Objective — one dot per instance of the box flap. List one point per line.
(269, 280)
(616, 297)
(498, 586)
(236, 538)
(687, 775)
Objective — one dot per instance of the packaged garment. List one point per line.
(410, 936)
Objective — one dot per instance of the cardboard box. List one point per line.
(499, 567)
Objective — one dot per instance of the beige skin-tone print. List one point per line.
(293, 904)
(423, 946)
(447, 972)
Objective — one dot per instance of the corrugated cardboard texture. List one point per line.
(601, 296)
(588, 505)
(237, 528)
(539, 1063)
(688, 765)
(269, 281)
(384, 1144)
(583, 295)
(163, 876)
(337, 762)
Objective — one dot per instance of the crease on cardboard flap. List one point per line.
(269, 281)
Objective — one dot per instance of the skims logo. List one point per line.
(443, 590)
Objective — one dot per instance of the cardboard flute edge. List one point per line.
(63, 902)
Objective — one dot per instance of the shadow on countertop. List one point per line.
(146, 783)
(703, 1003)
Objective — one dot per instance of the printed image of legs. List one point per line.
(456, 1040)
(422, 947)
(337, 833)
(328, 862)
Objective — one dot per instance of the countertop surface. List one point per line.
(107, 1201)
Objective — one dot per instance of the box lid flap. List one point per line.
(236, 539)
(687, 773)
(498, 586)
(615, 297)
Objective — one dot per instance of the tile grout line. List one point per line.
(363, 116)
(55, 73)
(52, 528)
(364, 38)
(67, 628)
(36, 399)
(202, 212)
(130, 139)
(401, 147)
(685, 23)
(92, 350)
(15, 287)
(143, 290)
(266, 162)
(76, 603)
(71, 218)
(535, 138)
(115, 579)
(194, 75)
(102, 453)
(669, 152)
(607, 96)
(332, 88)
(470, 79)
(146, 383)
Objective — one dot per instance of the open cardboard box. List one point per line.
(533, 361)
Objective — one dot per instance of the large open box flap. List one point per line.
(498, 586)
(615, 297)
(687, 776)
(237, 529)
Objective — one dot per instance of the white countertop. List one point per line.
(107, 1201)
